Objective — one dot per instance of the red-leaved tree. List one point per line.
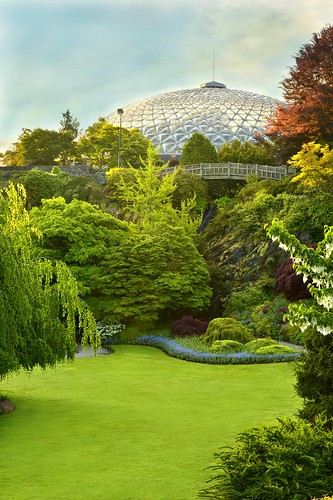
(308, 93)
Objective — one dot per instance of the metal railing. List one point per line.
(237, 171)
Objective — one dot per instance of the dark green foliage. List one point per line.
(187, 187)
(256, 344)
(198, 149)
(227, 346)
(188, 326)
(289, 460)
(39, 184)
(314, 373)
(226, 329)
(245, 152)
(293, 334)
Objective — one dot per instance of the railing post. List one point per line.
(201, 171)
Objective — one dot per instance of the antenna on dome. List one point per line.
(213, 60)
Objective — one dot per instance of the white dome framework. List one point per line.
(220, 114)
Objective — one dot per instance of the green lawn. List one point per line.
(134, 425)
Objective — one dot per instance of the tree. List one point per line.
(245, 152)
(40, 310)
(130, 271)
(69, 124)
(308, 92)
(198, 149)
(100, 145)
(315, 371)
(39, 184)
(315, 165)
(40, 147)
(189, 186)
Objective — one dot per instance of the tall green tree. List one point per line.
(69, 124)
(40, 310)
(100, 145)
(198, 149)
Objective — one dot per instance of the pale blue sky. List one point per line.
(94, 56)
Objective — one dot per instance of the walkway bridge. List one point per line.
(236, 171)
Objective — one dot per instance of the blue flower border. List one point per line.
(172, 348)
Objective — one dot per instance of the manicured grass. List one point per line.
(134, 425)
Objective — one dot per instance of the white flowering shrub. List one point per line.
(314, 263)
(109, 331)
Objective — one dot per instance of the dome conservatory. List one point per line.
(220, 114)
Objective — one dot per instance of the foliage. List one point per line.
(69, 124)
(188, 326)
(100, 145)
(308, 92)
(188, 187)
(266, 319)
(177, 350)
(41, 147)
(256, 344)
(314, 373)
(291, 459)
(109, 331)
(40, 310)
(39, 184)
(289, 283)
(314, 163)
(226, 346)
(292, 334)
(275, 349)
(315, 263)
(198, 149)
(240, 303)
(226, 329)
(244, 152)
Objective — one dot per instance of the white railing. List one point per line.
(211, 171)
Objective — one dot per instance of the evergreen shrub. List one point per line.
(226, 329)
(226, 346)
(275, 349)
(188, 326)
(290, 460)
(256, 344)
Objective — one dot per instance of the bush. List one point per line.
(290, 284)
(188, 326)
(256, 344)
(290, 460)
(226, 329)
(275, 349)
(227, 346)
(293, 334)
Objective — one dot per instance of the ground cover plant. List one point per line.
(134, 424)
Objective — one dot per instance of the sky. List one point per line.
(94, 56)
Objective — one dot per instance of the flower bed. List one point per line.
(176, 350)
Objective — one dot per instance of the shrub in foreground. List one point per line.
(226, 329)
(275, 349)
(227, 346)
(290, 460)
(256, 344)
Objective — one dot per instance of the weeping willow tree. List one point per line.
(40, 309)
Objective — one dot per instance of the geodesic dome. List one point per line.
(220, 114)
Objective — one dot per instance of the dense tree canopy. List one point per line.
(100, 145)
(41, 147)
(198, 149)
(245, 152)
(135, 270)
(40, 311)
(308, 92)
